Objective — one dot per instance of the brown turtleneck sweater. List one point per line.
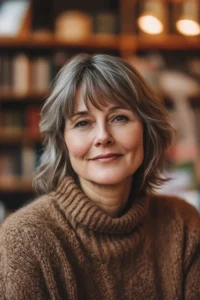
(62, 246)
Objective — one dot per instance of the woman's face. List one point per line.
(105, 146)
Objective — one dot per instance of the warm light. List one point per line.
(188, 27)
(150, 24)
(188, 23)
(152, 17)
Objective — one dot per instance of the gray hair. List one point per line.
(102, 78)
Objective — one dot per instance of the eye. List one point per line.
(82, 123)
(121, 118)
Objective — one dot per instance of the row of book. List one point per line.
(21, 75)
(19, 161)
(15, 121)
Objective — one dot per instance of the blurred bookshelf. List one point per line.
(19, 138)
(10, 185)
(12, 96)
(30, 60)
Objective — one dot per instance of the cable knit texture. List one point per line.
(62, 246)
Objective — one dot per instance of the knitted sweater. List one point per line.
(61, 246)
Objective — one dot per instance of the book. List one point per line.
(6, 73)
(10, 162)
(21, 74)
(12, 121)
(106, 23)
(28, 162)
(40, 74)
(32, 119)
(60, 58)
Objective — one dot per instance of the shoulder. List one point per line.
(176, 229)
(22, 235)
(26, 236)
(177, 221)
(27, 223)
(168, 208)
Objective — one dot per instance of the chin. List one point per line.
(107, 180)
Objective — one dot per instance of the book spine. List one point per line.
(28, 158)
(40, 75)
(32, 119)
(21, 74)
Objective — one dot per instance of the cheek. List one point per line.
(133, 144)
(76, 146)
(133, 140)
(135, 151)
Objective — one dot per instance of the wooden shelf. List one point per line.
(10, 96)
(168, 42)
(93, 42)
(15, 185)
(19, 138)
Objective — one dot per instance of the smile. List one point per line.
(107, 157)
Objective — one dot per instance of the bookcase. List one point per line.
(29, 62)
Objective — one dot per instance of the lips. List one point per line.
(106, 157)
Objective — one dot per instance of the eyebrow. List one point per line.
(85, 112)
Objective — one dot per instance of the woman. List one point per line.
(99, 231)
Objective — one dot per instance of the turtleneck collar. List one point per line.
(78, 208)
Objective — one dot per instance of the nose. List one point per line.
(103, 137)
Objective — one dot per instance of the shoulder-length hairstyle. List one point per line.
(101, 77)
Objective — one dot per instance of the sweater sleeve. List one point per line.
(20, 275)
(192, 257)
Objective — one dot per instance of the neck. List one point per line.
(111, 199)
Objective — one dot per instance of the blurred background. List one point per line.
(160, 38)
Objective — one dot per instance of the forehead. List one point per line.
(82, 105)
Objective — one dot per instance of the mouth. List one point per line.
(107, 157)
